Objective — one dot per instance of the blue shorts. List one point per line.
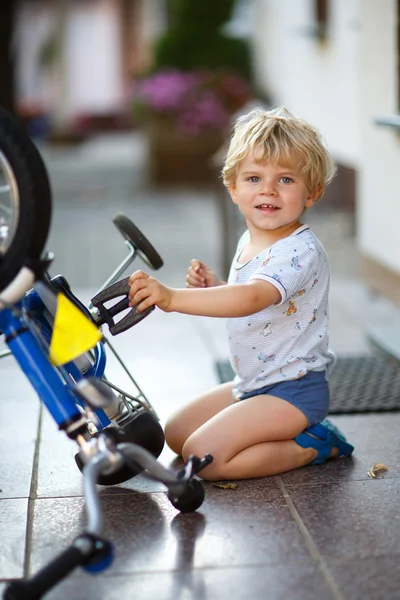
(310, 394)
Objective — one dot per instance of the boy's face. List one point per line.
(270, 196)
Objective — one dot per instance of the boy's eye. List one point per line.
(286, 179)
(253, 179)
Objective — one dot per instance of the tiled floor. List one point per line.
(319, 532)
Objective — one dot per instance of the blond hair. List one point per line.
(278, 136)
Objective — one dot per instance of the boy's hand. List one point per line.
(200, 275)
(146, 291)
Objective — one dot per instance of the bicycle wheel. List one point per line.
(25, 199)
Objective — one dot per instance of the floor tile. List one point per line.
(278, 582)
(352, 519)
(58, 474)
(19, 419)
(13, 514)
(368, 578)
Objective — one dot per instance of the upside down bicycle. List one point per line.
(60, 346)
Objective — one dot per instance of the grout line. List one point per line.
(32, 496)
(312, 548)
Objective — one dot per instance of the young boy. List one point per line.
(268, 419)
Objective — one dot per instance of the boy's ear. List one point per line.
(232, 192)
(314, 196)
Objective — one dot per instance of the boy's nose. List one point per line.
(268, 188)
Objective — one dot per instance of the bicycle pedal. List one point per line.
(105, 315)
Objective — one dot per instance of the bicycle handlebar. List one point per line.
(85, 549)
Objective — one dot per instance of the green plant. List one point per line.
(207, 13)
(195, 41)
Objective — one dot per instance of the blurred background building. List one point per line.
(74, 61)
(75, 68)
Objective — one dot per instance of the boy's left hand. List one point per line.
(145, 291)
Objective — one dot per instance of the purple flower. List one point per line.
(194, 101)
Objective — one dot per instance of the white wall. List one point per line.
(33, 26)
(315, 81)
(93, 57)
(87, 74)
(379, 206)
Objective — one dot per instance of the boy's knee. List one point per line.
(172, 438)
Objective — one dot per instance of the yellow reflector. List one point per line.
(73, 333)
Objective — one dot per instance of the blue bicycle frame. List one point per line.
(46, 380)
(55, 387)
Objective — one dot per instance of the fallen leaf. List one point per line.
(225, 486)
(376, 469)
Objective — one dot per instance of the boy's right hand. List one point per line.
(200, 275)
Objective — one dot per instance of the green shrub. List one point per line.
(194, 39)
(203, 13)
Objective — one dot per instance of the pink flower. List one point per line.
(194, 101)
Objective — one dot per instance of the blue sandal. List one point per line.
(327, 436)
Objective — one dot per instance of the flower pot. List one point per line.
(181, 159)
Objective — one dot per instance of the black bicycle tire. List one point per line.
(41, 188)
(13, 150)
(43, 199)
(34, 196)
(147, 251)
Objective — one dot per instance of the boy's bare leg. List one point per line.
(185, 421)
(253, 438)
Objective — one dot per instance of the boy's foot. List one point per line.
(326, 439)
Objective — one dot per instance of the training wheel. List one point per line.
(191, 499)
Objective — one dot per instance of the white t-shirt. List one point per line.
(286, 340)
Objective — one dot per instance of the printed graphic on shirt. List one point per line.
(295, 263)
(266, 358)
(301, 374)
(292, 309)
(308, 359)
(267, 330)
(266, 261)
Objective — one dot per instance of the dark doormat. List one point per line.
(358, 384)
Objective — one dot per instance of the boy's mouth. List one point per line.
(268, 207)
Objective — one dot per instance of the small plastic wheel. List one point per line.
(142, 429)
(191, 499)
(133, 235)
